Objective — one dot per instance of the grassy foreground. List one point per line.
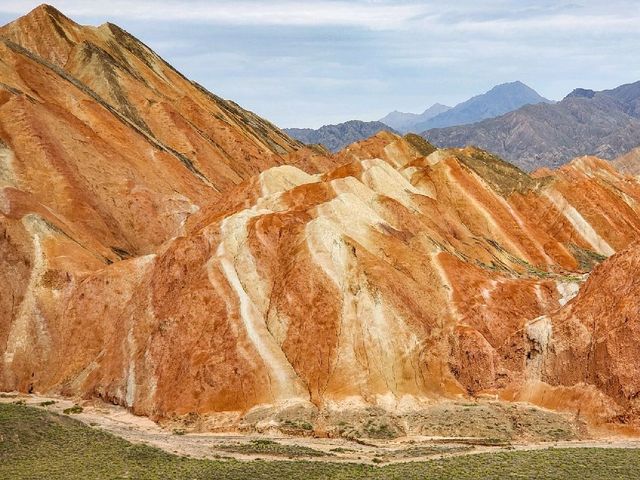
(36, 444)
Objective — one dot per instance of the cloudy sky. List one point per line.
(313, 62)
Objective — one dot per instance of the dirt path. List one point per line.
(121, 422)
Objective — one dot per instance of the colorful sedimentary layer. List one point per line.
(168, 251)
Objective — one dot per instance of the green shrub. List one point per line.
(73, 410)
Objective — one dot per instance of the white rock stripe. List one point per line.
(579, 223)
(233, 243)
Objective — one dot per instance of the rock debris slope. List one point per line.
(391, 275)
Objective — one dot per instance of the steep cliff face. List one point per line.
(584, 356)
(390, 275)
(600, 331)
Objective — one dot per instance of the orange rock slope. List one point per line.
(116, 143)
(390, 275)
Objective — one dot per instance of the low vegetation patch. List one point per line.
(481, 442)
(269, 447)
(430, 451)
(379, 429)
(504, 177)
(296, 425)
(37, 444)
(587, 259)
(420, 144)
(73, 410)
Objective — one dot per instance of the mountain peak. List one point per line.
(548, 135)
(404, 122)
(581, 93)
(515, 86)
(45, 12)
(435, 109)
(127, 85)
(501, 99)
(45, 31)
(515, 83)
(46, 8)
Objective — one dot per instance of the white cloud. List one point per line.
(372, 15)
(553, 23)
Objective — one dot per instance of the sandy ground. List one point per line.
(119, 421)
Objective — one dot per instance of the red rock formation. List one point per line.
(390, 274)
(608, 305)
(589, 348)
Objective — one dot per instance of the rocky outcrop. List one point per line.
(389, 277)
(584, 355)
(605, 317)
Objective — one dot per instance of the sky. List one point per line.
(313, 62)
